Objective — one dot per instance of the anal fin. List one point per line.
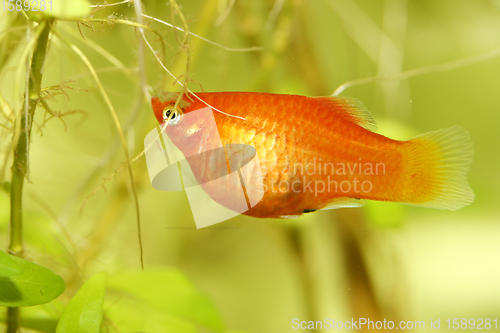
(343, 203)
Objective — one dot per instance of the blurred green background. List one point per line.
(381, 261)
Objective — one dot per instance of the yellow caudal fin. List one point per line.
(436, 169)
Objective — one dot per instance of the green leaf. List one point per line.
(171, 292)
(84, 311)
(8, 267)
(32, 286)
(131, 314)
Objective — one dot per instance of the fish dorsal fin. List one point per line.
(352, 110)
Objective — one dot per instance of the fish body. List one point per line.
(322, 152)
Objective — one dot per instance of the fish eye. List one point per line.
(173, 116)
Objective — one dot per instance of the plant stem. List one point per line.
(12, 320)
(20, 164)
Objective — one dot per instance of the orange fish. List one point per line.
(322, 152)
